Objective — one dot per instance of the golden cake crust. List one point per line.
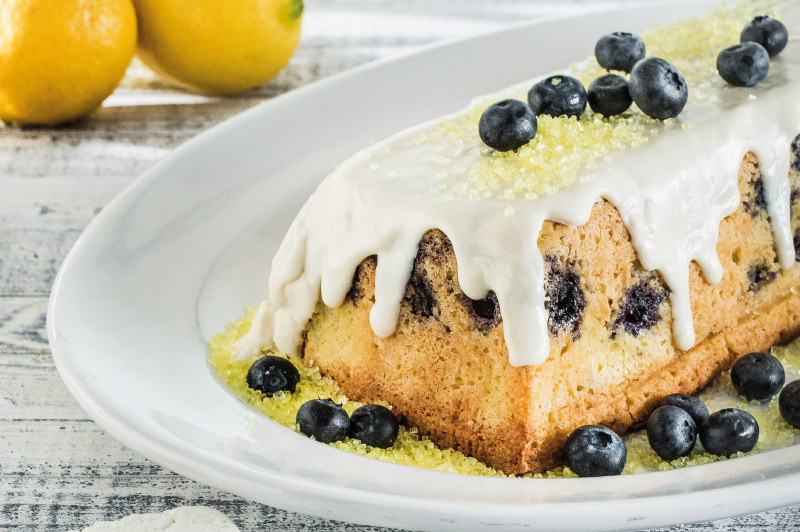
(612, 357)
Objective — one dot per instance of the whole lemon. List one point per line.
(59, 59)
(218, 46)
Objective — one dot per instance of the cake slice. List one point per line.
(500, 300)
(446, 368)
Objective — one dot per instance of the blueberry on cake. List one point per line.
(507, 274)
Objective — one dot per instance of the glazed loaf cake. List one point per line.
(612, 357)
(500, 297)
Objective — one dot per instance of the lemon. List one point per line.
(218, 46)
(59, 59)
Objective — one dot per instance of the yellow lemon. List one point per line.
(59, 59)
(218, 46)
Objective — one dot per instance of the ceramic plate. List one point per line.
(188, 246)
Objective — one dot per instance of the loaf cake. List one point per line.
(498, 301)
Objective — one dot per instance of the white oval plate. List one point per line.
(183, 250)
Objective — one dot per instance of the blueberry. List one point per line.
(796, 152)
(374, 425)
(758, 376)
(768, 32)
(639, 311)
(565, 303)
(507, 125)
(744, 64)
(324, 420)
(789, 404)
(619, 51)
(609, 96)
(728, 432)
(693, 406)
(758, 202)
(272, 374)
(658, 88)
(557, 96)
(595, 451)
(796, 241)
(485, 312)
(419, 294)
(671, 432)
(760, 275)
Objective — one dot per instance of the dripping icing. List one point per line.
(671, 191)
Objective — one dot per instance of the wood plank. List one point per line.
(31, 504)
(40, 219)
(29, 259)
(22, 325)
(46, 448)
(56, 504)
(505, 11)
(154, 116)
(30, 388)
(772, 521)
(35, 153)
(55, 202)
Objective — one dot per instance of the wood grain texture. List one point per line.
(31, 390)
(58, 469)
(35, 503)
(84, 450)
(22, 325)
(40, 219)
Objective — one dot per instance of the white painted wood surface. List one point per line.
(58, 470)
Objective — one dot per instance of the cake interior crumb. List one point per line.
(415, 450)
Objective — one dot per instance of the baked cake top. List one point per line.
(673, 182)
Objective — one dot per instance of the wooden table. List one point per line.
(58, 470)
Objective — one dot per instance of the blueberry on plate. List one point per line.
(595, 451)
(609, 95)
(691, 405)
(743, 65)
(671, 432)
(323, 420)
(768, 32)
(558, 96)
(789, 404)
(658, 88)
(758, 376)
(374, 425)
(728, 432)
(619, 51)
(272, 374)
(507, 125)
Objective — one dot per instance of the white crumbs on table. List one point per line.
(183, 519)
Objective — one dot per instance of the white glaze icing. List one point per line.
(671, 192)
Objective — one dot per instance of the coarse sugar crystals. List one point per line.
(415, 450)
(567, 150)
